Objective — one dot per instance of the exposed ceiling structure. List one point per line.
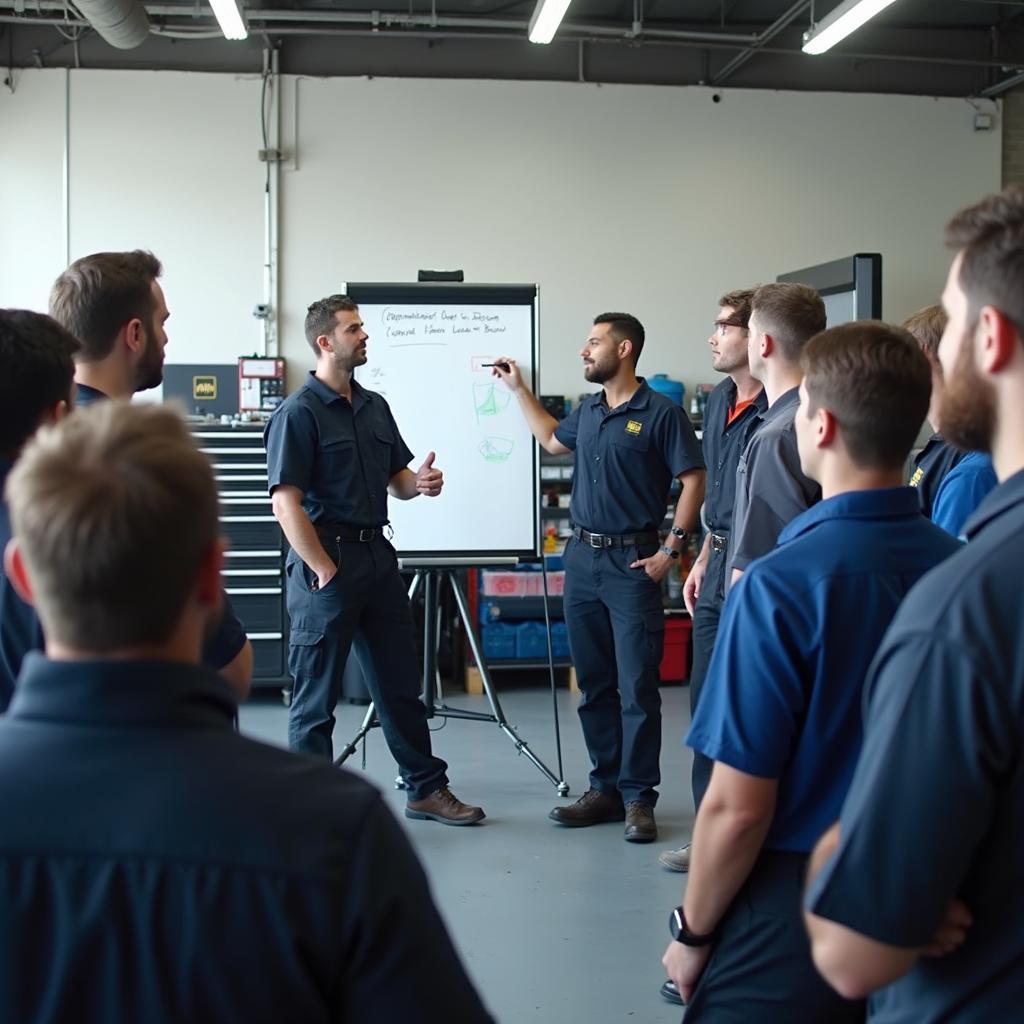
(946, 48)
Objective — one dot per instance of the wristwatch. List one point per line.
(671, 552)
(678, 531)
(679, 931)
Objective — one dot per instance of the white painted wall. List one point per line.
(653, 200)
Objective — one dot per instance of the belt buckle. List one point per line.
(597, 540)
(367, 534)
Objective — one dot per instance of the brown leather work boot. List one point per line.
(442, 805)
(640, 825)
(592, 808)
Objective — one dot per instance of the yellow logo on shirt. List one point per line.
(634, 427)
(917, 477)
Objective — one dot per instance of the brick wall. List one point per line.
(1013, 137)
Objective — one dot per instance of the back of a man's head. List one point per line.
(114, 509)
(98, 294)
(927, 325)
(875, 380)
(36, 373)
(791, 314)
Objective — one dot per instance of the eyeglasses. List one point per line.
(721, 325)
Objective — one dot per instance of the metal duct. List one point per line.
(122, 23)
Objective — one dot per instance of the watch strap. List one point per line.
(671, 552)
(680, 931)
(678, 531)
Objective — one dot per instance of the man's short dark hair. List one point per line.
(36, 372)
(927, 326)
(874, 378)
(320, 318)
(98, 294)
(791, 313)
(739, 302)
(990, 235)
(623, 326)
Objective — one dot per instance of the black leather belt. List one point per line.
(349, 533)
(719, 541)
(609, 540)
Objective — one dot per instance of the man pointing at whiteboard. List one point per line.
(334, 454)
(629, 442)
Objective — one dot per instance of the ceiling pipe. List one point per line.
(124, 24)
(765, 37)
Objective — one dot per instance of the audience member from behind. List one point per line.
(113, 303)
(780, 715)
(186, 872)
(771, 488)
(951, 483)
(35, 388)
(935, 812)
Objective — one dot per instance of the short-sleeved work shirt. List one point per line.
(936, 807)
(182, 872)
(962, 490)
(626, 459)
(341, 455)
(723, 443)
(771, 488)
(931, 464)
(782, 697)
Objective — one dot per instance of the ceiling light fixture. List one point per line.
(547, 16)
(229, 17)
(846, 18)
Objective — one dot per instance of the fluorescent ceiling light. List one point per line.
(846, 18)
(230, 19)
(547, 16)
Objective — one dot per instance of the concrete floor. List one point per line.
(554, 924)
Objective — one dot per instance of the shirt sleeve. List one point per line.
(754, 698)
(777, 492)
(680, 446)
(938, 736)
(401, 456)
(227, 640)
(568, 430)
(291, 442)
(961, 492)
(400, 951)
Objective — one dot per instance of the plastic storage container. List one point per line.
(531, 640)
(665, 385)
(559, 640)
(675, 660)
(499, 640)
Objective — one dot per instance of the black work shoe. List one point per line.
(442, 805)
(640, 826)
(592, 808)
(671, 993)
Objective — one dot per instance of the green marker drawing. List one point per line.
(496, 449)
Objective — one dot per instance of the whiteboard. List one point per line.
(425, 355)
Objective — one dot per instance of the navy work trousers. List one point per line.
(760, 968)
(616, 633)
(706, 616)
(365, 609)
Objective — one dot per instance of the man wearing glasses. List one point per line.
(733, 413)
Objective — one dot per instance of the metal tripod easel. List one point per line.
(432, 579)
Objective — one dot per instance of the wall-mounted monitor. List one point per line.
(851, 287)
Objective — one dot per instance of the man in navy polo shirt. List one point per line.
(780, 712)
(158, 866)
(36, 388)
(334, 454)
(629, 442)
(931, 836)
(113, 304)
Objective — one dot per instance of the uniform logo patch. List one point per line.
(634, 427)
(204, 387)
(916, 478)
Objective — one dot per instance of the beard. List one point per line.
(149, 373)
(967, 406)
(597, 374)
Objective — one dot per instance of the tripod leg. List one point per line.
(492, 697)
(369, 721)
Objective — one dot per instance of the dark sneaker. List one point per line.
(593, 808)
(442, 805)
(671, 993)
(640, 826)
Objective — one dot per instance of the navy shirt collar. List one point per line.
(1004, 498)
(786, 401)
(117, 693)
(327, 395)
(640, 398)
(86, 395)
(880, 503)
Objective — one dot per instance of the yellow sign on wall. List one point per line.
(204, 388)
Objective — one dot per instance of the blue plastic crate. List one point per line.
(499, 640)
(559, 640)
(531, 640)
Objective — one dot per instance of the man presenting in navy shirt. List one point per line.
(629, 443)
(780, 712)
(931, 836)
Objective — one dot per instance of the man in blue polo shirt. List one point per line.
(334, 454)
(158, 866)
(780, 712)
(931, 836)
(113, 304)
(36, 388)
(629, 442)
